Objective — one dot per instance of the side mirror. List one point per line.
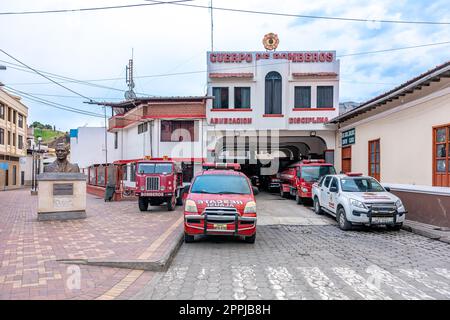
(333, 189)
(186, 188)
(255, 190)
(388, 189)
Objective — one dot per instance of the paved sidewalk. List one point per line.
(428, 230)
(29, 249)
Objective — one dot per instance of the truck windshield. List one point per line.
(361, 185)
(313, 173)
(155, 168)
(225, 184)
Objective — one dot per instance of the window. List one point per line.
(220, 98)
(334, 183)
(2, 111)
(148, 168)
(441, 156)
(360, 185)
(374, 159)
(273, 93)
(313, 173)
(325, 97)
(175, 131)
(241, 97)
(9, 138)
(302, 97)
(14, 139)
(9, 114)
(143, 127)
(116, 140)
(14, 117)
(20, 142)
(224, 184)
(20, 121)
(327, 181)
(2, 136)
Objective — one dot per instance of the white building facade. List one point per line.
(291, 94)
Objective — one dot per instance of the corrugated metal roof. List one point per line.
(440, 71)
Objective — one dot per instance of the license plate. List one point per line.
(220, 226)
(377, 220)
(152, 194)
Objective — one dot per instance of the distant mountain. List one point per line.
(347, 106)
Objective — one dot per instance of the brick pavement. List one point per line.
(113, 230)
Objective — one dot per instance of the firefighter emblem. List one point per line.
(270, 41)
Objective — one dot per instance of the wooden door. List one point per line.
(346, 159)
(441, 156)
(374, 159)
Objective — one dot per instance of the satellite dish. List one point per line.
(130, 95)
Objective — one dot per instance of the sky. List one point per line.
(167, 39)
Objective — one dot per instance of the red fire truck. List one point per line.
(220, 201)
(159, 181)
(297, 179)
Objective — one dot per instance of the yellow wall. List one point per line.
(405, 142)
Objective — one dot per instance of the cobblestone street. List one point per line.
(306, 257)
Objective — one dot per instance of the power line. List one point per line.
(53, 104)
(66, 79)
(225, 69)
(88, 9)
(44, 76)
(300, 15)
(179, 3)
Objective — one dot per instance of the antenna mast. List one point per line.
(129, 78)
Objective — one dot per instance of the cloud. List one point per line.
(168, 39)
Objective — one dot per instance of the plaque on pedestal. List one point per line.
(62, 196)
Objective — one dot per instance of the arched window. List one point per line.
(273, 93)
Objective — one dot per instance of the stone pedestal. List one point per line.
(62, 196)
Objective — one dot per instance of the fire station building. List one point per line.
(287, 95)
(402, 138)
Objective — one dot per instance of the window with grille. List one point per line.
(220, 98)
(325, 97)
(302, 97)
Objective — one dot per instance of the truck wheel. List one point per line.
(396, 227)
(250, 239)
(342, 220)
(317, 208)
(143, 203)
(298, 199)
(188, 238)
(171, 203)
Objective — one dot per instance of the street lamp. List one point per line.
(36, 164)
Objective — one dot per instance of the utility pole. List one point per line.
(106, 139)
(212, 26)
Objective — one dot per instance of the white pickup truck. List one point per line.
(355, 199)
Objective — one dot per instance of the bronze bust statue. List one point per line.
(61, 164)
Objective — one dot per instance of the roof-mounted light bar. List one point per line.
(220, 165)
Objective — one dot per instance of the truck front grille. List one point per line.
(220, 214)
(382, 208)
(152, 183)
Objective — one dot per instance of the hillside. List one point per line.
(47, 135)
